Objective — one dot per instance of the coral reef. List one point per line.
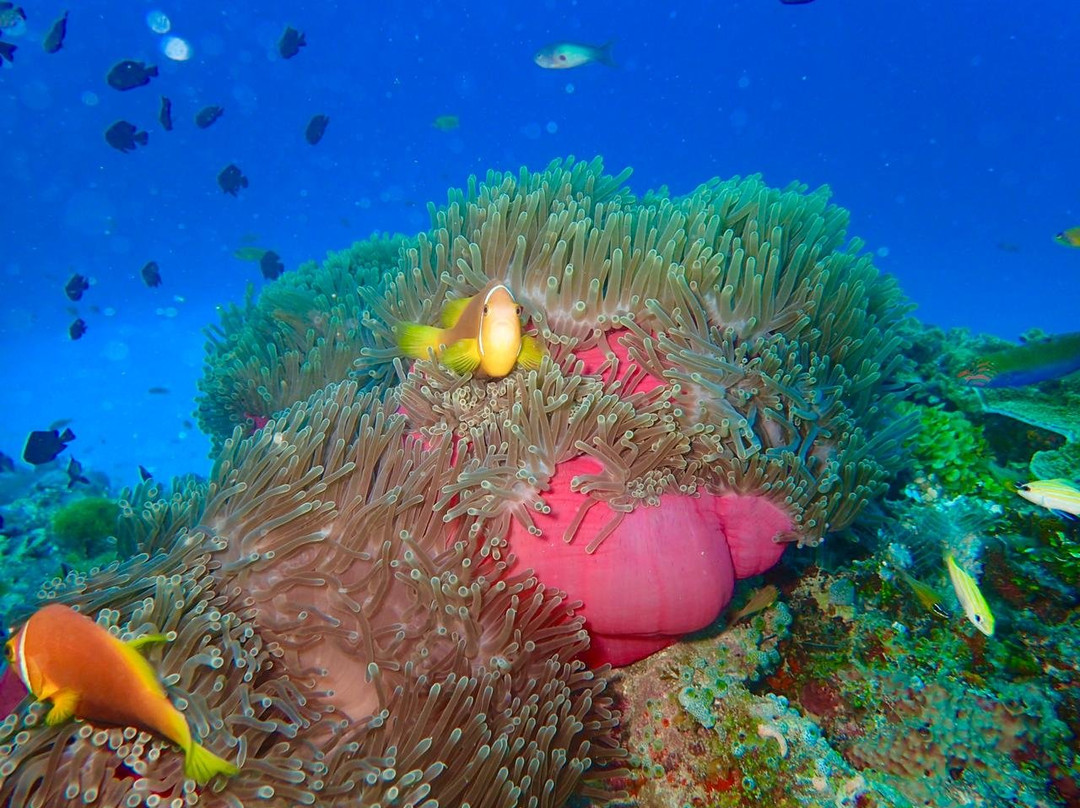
(381, 595)
(32, 549)
(85, 528)
(948, 451)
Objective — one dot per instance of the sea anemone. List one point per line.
(724, 357)
(333, 635)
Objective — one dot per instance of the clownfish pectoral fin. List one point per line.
(452, 310)
(202, 765)
(147, 639)
(64, 703)
(531, 353)
(463, 357)
(417, 340)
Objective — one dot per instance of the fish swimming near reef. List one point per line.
(1030, 363)
(165, 114)
(7, 52)
(1060, 496)
(291, 42)
(270, 265)
(759, 601)
(151, 274)
(316, 128)
(232, 179)
(75, 287)
(129, 74)
(564, 55)
(11, 17)
(970, 597)
(206, 116)
(77, 328)
(54, 40)
(1070, 237)
(446, 123)
(67, 659)
(480, 333)
(75, 473)
(250, 253)
(126, 137)
(929, 597)
(43, 445)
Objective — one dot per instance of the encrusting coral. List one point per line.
(332, 635)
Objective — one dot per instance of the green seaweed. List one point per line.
(84, 528)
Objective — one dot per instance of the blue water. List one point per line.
(949, 129)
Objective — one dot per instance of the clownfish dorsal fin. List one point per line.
(147, 639)
(452, 311)
(64, 703)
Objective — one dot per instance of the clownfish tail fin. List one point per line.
(202, 765)
(417, 340)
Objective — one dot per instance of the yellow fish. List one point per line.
(975, 607)
(85, 672)
(446, 123)
(480, 333)
(1070, 237)
(1059, 495)
(925, 594)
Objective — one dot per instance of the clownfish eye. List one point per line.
(9, 651)
(518, 310)
(485, 309)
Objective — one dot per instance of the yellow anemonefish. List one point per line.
(1070, 237)
(482, 332)
(68, 659)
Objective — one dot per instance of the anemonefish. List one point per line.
(85, 672)
(480, 333)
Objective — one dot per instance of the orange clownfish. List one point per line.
(482, 332)
(85, 672)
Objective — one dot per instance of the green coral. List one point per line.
(302, 332)
(948, 449)
(84, 528)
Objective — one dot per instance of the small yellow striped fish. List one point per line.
(925, 594)
(1059, 495)
(970, 597)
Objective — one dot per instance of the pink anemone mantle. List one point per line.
(664, 571)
